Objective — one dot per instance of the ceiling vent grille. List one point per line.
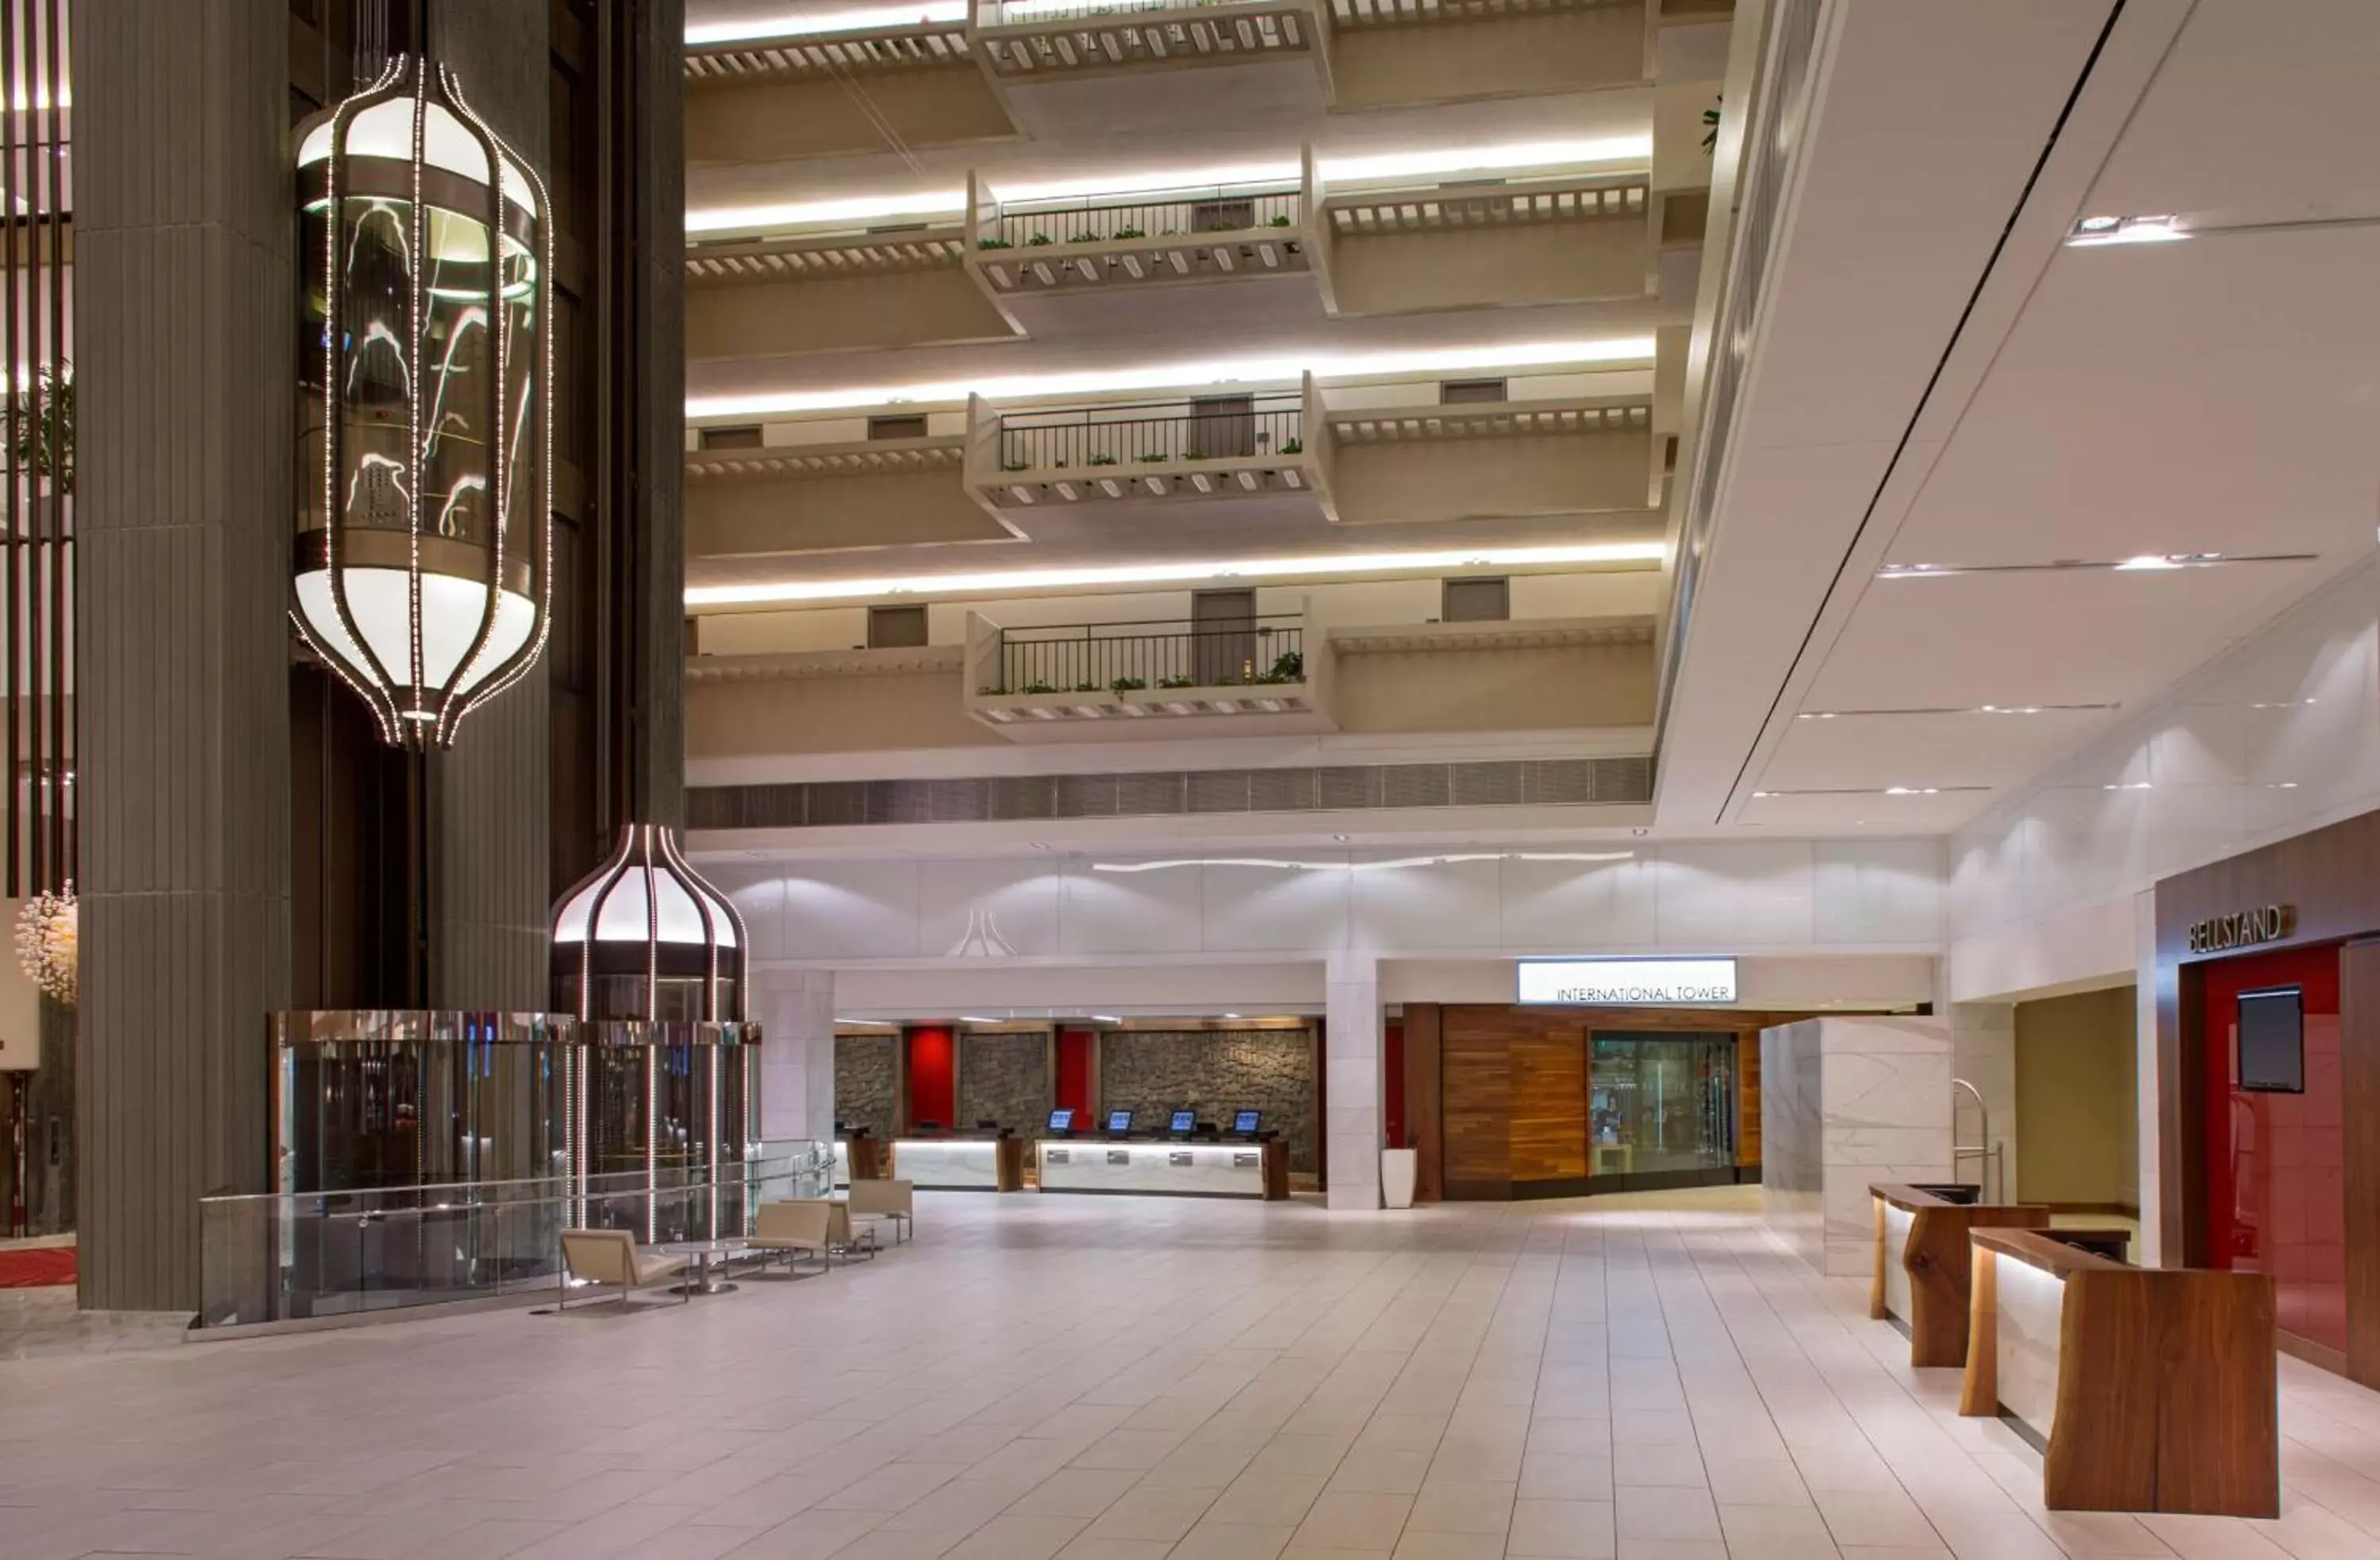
(1622, 782)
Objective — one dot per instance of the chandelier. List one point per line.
(644, 936)
(49, 944)
(422, 573)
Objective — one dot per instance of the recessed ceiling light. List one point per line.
(2143, 561)
(2094, 232)
(2133, 786)
(1026, 580)
(797, 25)
(1951, 710)
(1289, 866)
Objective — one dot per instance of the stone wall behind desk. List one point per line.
(864, 1078)
(1004, 1077)
(1214, 1072)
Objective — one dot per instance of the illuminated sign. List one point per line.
(2244, 930)
(1626, 982)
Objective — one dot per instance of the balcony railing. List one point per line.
(1156, 215)
(1004, 12)
(1125, 658)
(1134, 438)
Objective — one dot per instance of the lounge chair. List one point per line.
(612, 1256)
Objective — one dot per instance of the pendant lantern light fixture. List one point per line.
(422, 573)
(645, 937)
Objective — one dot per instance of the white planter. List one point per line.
(1397, 1169)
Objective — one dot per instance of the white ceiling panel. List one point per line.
(1804, 814)
(2096, 636)
(2212, 396)
(1928, 749)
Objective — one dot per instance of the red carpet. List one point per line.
(37, 1268)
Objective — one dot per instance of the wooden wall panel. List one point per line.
(1423, 1111)
(2358, 1021)
(1549, 1121)
(1748, 1097)
(1477, 1088)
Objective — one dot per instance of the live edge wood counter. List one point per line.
(2157, 1385)
(1920, 1263)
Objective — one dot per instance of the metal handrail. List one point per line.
(1163, 625)
(1151, 214)
(1245, 652)
(1091, 436)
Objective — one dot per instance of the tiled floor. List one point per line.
(1111, 1378)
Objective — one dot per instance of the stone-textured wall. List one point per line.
(1214, 1073)
(865, 1075)
(1004, 1077)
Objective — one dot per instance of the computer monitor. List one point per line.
(1061, 1121)
(1183, 1121)
(1119, 1121)
(1246, 1121)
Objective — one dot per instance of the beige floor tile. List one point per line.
(1660, 1464)
(1558, 1529)
(1354, 1521)
(1266, 1497)
(1076, 1491)
(1755, 1482)
(1873, 1517)
(1463, 1505)
(1373, 1470)
(1645, 1513)
(1420, 1545)
(1145, 1513)
(1777, 1532)
(1211, 1539)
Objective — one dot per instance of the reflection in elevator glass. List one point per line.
(1661, 1109)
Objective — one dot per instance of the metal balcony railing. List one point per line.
(1155, 215)
(1118, 657)
(1005, 12)
(1134, 438)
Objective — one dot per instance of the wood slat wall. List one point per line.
(1548, 1119)
(1476, 1072)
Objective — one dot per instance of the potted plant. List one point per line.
(1398, 1169)
(1126, 685)
(1289, 666)
(994, 244)
(1281, 222)
(1087, 688)
(1176, 681)
(1101, 460)
(1038, 239)
(1293, 446)
(1029, 690)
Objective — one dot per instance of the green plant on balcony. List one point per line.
(1012, 465)
(1087, 688)
(1289, 666)
(1101, 460)
(1281, 222)
(1194, 454)
(1038, 239)
(1710, 126)
(1127, 685)
(1130, 233)
(1177, 680)
(994, 244)
(1029, 690)
(994, 691)
(1154, 456)
(1085, 237)
(1293, 446)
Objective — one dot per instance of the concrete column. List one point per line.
(184, 308)
(795, 1010)
(1353, 1069)
(1983, 1050)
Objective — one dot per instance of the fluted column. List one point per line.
(184, 307)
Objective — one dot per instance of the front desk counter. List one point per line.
(1165, 1169)
(862, 1156)
(1919, 1283)
(960, 1164)
(2146, 1389)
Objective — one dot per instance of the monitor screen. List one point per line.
(1246, 1121)
(1119, 1121)
(1061, 1121)
(2272, 1040)
(1184, 1120)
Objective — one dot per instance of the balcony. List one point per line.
(1169, 679)
(1566, 238)
(1546, 454)
(830, 494)
(1157, 238)
(1218, 448)
(1041, 40)
(819, 94)
(1386, 53)
(822, 291)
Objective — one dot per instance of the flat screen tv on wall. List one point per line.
(2272, 1040)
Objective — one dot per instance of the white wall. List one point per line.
(1846, 1104)
(2279, 735)
(1716, 897)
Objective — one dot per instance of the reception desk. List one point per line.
(1920, 1279)
(862, 1156)
(960, 1164)
(1166, 1169)
(2146, 1389)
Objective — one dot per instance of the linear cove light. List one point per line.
(771, 591)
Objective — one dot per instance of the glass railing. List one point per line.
(1157, 214)
(1133, 438)
(295, 1256)
(1122, 657)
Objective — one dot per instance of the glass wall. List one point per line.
(1660, 1109)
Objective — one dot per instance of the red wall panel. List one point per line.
(1073, 1090)
(1392, 1103)
(933, 1076)
(2276, 1184)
